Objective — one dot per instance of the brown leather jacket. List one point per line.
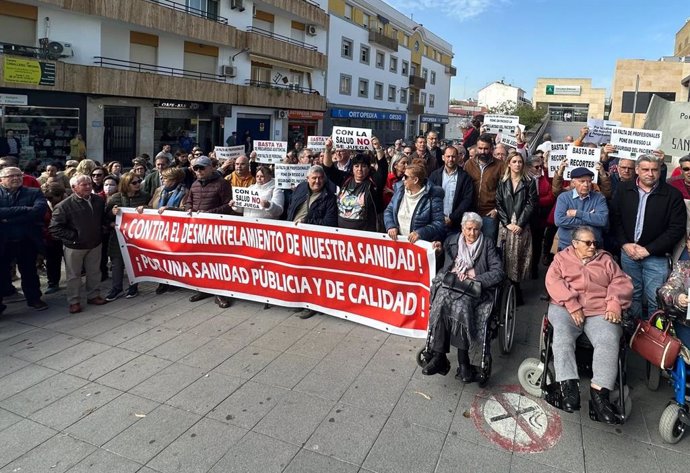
(485, 183)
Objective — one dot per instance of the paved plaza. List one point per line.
(159, 384)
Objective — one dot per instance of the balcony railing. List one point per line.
(284, 39)
(163, 70)
(451, 70)
(27, 51)
(190, 10)
(417, 82)
(415, 108)
(281, 87)
(385, 41)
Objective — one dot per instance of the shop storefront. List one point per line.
(183, 125)
(433, 123)
(302, 124)
(387, 126)
(45, 122)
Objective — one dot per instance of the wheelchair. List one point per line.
(536, 375)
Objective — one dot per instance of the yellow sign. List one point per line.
(28, 71)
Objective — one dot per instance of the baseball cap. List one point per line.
(203, 161)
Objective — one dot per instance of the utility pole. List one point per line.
(637, 87)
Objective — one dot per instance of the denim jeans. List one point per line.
(647, 275)
(490, 228)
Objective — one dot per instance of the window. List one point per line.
(422, 98)
(425, 73)
(348, 11)
(405, 67)
(433, 77)
(403, 95)
(394, 33)
(345, 84)
(432, 99)
(364, 54)
(365, 20)
(391, 93)
(363, 90)
(346, 48)
(378, 90)
(261, 72)
(643, 99)
(394, 64)
(413, 70)
(406, 40)
(380, 59)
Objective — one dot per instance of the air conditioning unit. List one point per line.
(311, 30)
(237, 5)
(228, 71)
(281, 114)
(59, 49)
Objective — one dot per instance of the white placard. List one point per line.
(246, 198)
(352, 138)
(290, 175)
(582, 157)
(509, 139)
(501, 124)
(317, 143)
(558, 152)
(600, 130)
(226, 152)
(632, 142)
(270, 152)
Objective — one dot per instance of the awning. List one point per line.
(279, 63)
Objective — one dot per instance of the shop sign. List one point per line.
(434, 119)
(305, 115)
(14, 99)
(367, 114)
(29, 71)
(563, 90)
(180, 105)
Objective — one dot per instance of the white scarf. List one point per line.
(467, 254)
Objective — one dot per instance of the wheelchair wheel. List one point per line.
(530, 374)
(671, 428)
(653, 377)
(423, 357)
(506, 330)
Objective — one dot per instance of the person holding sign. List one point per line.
(241, 176)
(271, 198)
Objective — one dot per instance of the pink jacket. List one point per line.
(596, 287)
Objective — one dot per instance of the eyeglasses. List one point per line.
(685, 169)
(538, 167)
(134, 183)
(97, 174)
(198, 154)
(199, 168)
(587, 243)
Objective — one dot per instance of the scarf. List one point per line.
(172, 197)
(467, 254)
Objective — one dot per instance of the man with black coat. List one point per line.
(457, 185)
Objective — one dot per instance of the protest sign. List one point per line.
(632, 142)
(501, 123)
(600, 130)
(673, 120)
(290, 175)
(227, 152)
(317, 143)
(359, 276)
(352, 138)
(270, 152)
(246, 198)
(582, 157)
(559, 152)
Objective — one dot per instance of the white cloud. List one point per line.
(459, 9)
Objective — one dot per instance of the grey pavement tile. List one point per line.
(179, 346)
(8, 418)
(217, 326)
(191, 318)
(295, 418)
(254, 327)
(76, 405)
(145, 439)
(73, 355)
(103, 461)
(375, 392)
(670, 460)
(329, 379)
(23, 378)
(638, 456)
(403, 447)
(133, 372)
(293, 320)
(335, 325)
(25, 340)
(47, 347)
(213, 353)
(42, 394)
(250, 454)
(530, 464)
(163, 313)
(109, 420)
(652, 415)
(206, 393)
(247, 362)
(128, 309)
(20, 438)
(310, 462)
(347, 433)
(286, 371)
(463, 425)
(248, 405)
(472, 457)
(121, 333)
(427, 404)
(9, 364)
(167, 382)
(356, 349)
(74, 321)
(97, 327)
(280, 337)
(198, 449)
(149, 340)
(395, 356)
(10, 328)
(56, 455)
(317, 343)
(103, 363)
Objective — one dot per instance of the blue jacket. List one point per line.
(324, 211)
(591, 211)
(427, 219)
(463, 200)
(21, 215)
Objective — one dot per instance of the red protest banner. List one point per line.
(359, 276)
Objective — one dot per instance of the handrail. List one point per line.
(164, 70)
(536, 138)
(287, 87)
(190, 10)
(280, 37)
(26, 51)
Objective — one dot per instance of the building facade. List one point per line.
(133, 75)
(497, 93)
(570, 99)
(682, 46)
(385, 72)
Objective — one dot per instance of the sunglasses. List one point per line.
(98, 174)
(538, 167)
(199, 168)
(685, 169)
(198, 154)
(134, 183)
(588, 243)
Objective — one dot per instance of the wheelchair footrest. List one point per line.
(553, 395)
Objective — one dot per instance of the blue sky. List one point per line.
(520, 40)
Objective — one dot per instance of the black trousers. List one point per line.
(24, 253)
(54, 255)
(442, 338)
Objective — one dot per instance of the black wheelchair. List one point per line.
(536, 375)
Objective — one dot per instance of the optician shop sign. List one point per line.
(366, 114)
(433, 119)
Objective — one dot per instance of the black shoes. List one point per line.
(466, 373)
(438, 364)
(602, 406)
(223, 302)
(570, 392)
(161, 289)
(198, 296)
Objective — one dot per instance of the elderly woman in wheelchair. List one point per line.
(589, 293)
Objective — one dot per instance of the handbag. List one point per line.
(469, 287)
(656, 346)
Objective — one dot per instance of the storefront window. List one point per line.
(183, 129)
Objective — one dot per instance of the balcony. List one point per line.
(452, 71)
(415, 109)
(265, 94)
(162, 70)
(287, 88)
(307, 11)
(417, 82)
(190, 10)
(265, 43)
(383, 40)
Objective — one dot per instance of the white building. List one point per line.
(385, 72)
(498, 93)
